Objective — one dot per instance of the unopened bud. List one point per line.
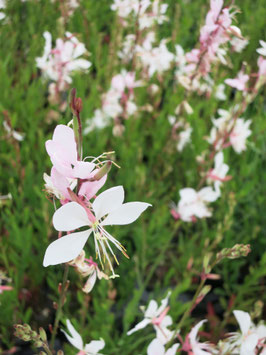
(50, 327)
(59, 287)
(43, 335)
(78, 104)
(60, 352)
(38, 343)
(25, 337)
(55, 306)
(236, 252)
(103, 171)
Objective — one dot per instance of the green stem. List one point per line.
(60, 305)
(190, 308)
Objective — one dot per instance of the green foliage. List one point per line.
(151, 170)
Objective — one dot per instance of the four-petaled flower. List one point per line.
(107, 209)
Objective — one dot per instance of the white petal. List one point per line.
(108, 201)
(69, 217)
(139, 326)
(151, 311)
(126, 214)
(244, 321)
(172, 350)
(249, 344)
(75, 339)
(65, 248)
(164, 303)
(155, 348)
(90, 283)
(194, 332)
(94, 346)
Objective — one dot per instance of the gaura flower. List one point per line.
(262, 50)
(218, 173)
(62, 150)
(75, 339)
(239, 82)
(246, 341)
(194, 204)
(157, 348)
(157, 316)
(197, 348)
(107, 209)
(87, 267)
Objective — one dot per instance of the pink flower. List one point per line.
(62, 150)
(239, 82)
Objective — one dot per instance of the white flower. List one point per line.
(239, 135)
(75, 339)
(156, 59)
(157, 348)
(16, 135)
(87, 267)
(247, 340)
(238, 44)
(218, 173)
(58, 63)
(107, 209)
(195, 203)
(262, 50)
(157, 317)
(184, 137)
(98, 121)
(219, 93)
(197, 347)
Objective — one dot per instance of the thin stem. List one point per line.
(60, 304)
(190, 308)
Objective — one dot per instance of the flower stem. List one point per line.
(61, 302)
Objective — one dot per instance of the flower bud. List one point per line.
(43, 335)
(103, 171)
(237, 251)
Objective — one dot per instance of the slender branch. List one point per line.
(61, 302)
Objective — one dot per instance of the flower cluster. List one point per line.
(59, 63)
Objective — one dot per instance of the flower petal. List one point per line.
(83, 169)
(172, 350)
(75, 339)
(139, 326)
(90, 282)
(108, 201)
(69, 217)
(94, 346)
(126, 214)
(155, 348)
(66, 248)
(244, 321)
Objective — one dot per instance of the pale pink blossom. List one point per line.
(156, 316)
(62, 150)
(107, 209)
(75, 339)
(239, 82)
